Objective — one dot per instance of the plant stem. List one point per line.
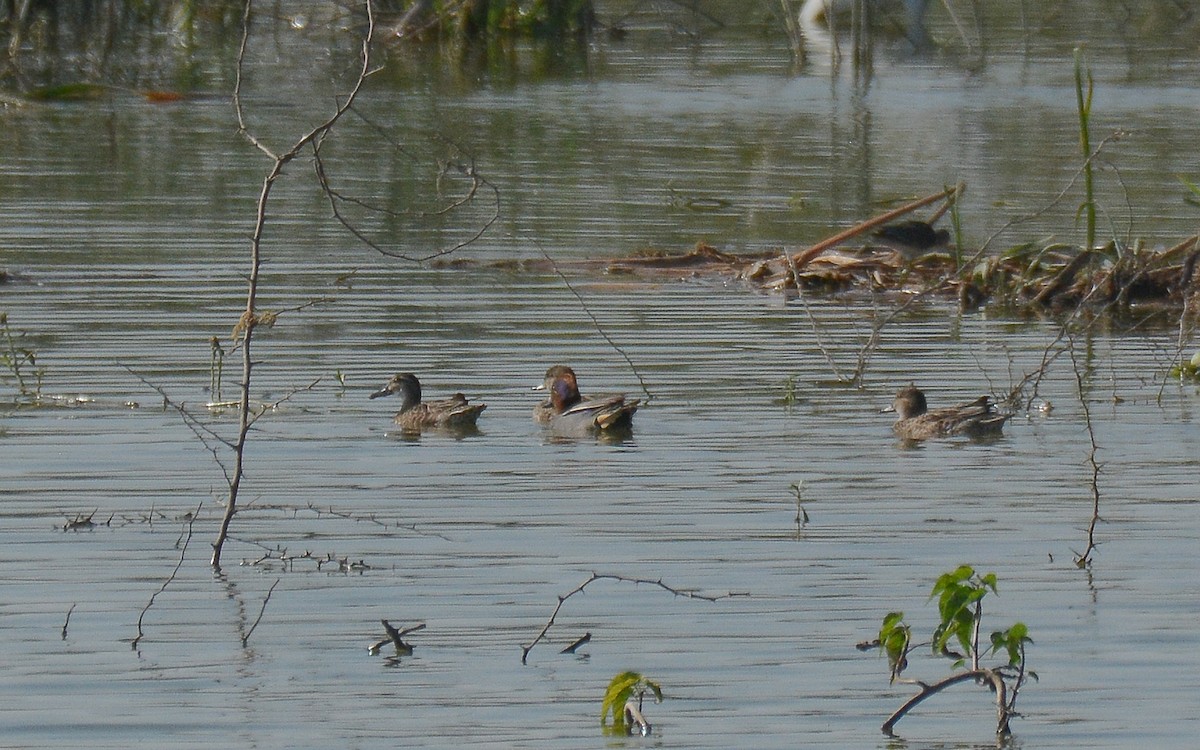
(993, 677)
(1085, 111)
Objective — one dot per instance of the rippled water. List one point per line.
(128, 266)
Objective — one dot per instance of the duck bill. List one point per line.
(382, 392)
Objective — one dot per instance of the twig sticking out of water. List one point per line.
(182, 554)
(67, 621)
(252, 316)
(257, 620)
(1084, 558)
(585, 638)
(599, 329)
(611, 577)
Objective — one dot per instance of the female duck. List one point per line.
(914, 421)
(454, 412)
(568, 411)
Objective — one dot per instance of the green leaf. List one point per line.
(654, 688)
(889, 624)
(619, 691)
(1011, 641)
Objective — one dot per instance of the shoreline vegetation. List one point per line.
(1028, 277)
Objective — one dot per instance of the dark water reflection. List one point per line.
(128, 226)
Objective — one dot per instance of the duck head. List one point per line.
(407, 385)
(564, 389)
(908, 403)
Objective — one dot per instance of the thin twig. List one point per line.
(1115, 136)
(599, 328)
(257, 620)
(170, 578)
(67, 621)
(1085, 558)
(470, 171)
(611, 577)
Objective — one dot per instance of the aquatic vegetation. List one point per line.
(19, 363)
(1189, 370)
(619, 702)
(1084, 102)
(789, 397)
(960, 595)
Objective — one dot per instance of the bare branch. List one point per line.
(170, 578)
(611, 577)
(335, 198)
(1085, 558)
(928, 690)
(257, 620)
(250, 319)
(599, 329)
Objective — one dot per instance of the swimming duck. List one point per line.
(568, 411)
(454, 412)
(912, 238)
(914, 421)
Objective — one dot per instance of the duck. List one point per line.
(567, 411)
(414, 414)
(912, 238)
(914, 421)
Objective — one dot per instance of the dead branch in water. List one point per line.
(182, 554)
(464, 168)
(261, 611)
(251, 318)
(611, 577)
(67, 621)
(1084, 559)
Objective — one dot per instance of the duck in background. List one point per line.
(567, 412)
(414, 415)
(914, 421)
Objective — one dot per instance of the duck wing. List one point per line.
(604, 413)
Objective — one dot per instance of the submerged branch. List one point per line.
(612, 577)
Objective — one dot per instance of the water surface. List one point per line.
(127, 226)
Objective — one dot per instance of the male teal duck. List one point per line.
(566, 411)
(914, 421)
(414, 414)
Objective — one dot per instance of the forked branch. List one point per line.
(251, 318)
(608, 576)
